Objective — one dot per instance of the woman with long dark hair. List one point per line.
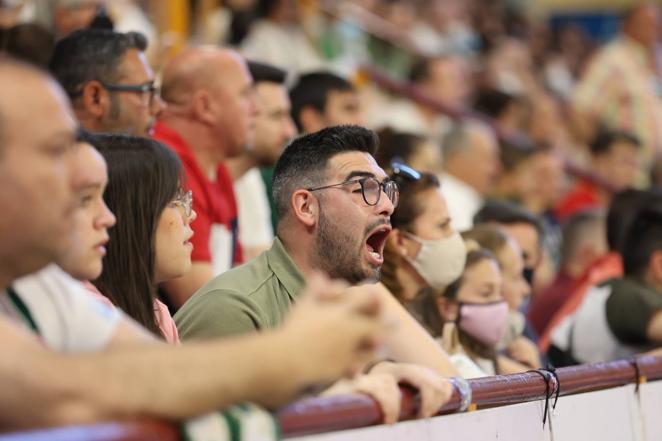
(150, 242)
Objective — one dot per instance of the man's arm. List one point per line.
(181, 289)
(320, 342)
(654, 328)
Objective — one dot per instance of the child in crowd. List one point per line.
(475, 316)
(522, 352)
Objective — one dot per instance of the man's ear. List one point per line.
(95, 99)
(305, 207)
(201, 106)
(311, 119)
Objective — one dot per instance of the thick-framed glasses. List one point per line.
(371, 189)
(147, 88)
(184, 199)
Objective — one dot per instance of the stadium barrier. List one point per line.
(618, 400)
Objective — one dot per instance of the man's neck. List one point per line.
(238, 167)
(298, 252)
(195, 136)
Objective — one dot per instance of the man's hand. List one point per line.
(331, 334)
(383, 388)
(435, 390)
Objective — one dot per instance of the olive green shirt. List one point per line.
(630, 309)
(251, 297)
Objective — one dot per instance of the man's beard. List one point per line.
(336, 254)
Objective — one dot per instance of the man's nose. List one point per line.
(385, 205)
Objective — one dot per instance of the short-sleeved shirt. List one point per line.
(163, 317)
(257, 295)
(216, 238)
(66, 317)
(630, 308)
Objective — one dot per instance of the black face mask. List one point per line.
(528, 274)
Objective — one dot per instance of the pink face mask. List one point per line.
(486, 322)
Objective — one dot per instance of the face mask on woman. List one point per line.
(439, 261)
(486, 322)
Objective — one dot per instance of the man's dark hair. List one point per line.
(515, 152)
(623, 209)
(29, 42)
(262, 72)
(494, 103)
(575, 229)
(312, 90)
(643, 240)
(605, 139)
(144, 176)
(303, 162)
(508, 213)
(394, 144)
(92, 54)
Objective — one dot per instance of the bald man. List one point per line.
(209, 118)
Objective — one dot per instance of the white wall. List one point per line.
(609, 415)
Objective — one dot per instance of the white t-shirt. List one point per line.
(462, 200)
(69, 319)
(255, 228)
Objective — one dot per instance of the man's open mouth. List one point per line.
(375, 244)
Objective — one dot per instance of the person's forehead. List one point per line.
(523, 231)
(35, 99)
(342, 164)
(134, 67)
(485, 271)
(341, 96)
(90, 167)
(272, 95)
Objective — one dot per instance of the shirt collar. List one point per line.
(285, 269)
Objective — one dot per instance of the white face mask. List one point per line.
(440, 261)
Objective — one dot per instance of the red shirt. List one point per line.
(583, 196)
(216, 238)
(545, 304)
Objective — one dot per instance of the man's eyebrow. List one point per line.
(359, 173)
(89, 186)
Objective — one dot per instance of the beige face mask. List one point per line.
(440, 261)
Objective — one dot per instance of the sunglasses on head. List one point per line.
(401, 171)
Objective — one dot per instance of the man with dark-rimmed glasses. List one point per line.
(334, 205)
(108, 80)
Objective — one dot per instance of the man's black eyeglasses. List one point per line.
(371, 189)
(142, 89)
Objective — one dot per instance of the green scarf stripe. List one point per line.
(22, 309)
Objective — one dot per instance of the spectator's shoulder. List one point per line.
(231, 303)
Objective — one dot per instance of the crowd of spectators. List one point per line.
(318, 198)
